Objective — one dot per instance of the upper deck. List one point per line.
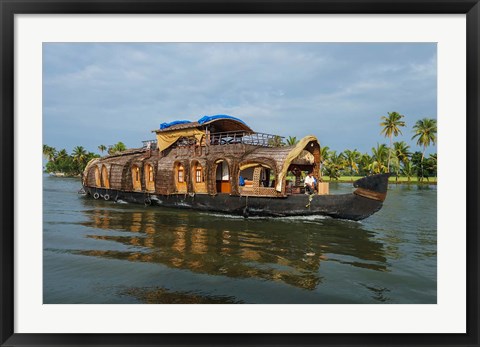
(211, 131)
(225, 138)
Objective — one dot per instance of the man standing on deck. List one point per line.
(310, 183)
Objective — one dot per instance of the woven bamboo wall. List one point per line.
(181, 187)
(149, 185)
(91, 176)
(315, 150)
(120, 175)
(116, 171)
(87, 180)
(105, 176)
(164, 181)
(194, 186)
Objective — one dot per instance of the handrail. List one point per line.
(256, 139)
(149, 143)
(231, 137)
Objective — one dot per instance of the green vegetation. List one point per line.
(391, 127)
(397, 158)
(60, 162)
(426, 134)
(276, 141)
(393, 179)
(117, 148)
(102, 148)
(292, 141)
(345, 166)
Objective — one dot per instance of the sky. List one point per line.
(102, 93)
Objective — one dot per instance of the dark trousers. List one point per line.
(309, 189)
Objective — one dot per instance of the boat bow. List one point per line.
(372, 187)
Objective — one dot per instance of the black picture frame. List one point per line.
(9, 8)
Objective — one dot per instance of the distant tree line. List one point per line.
(73, 164)
(396, 158)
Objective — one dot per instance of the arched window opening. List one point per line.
(256, 179)
(181, 174)
(199, 175)
(180, 181)
(97, 177)
(149, 178)
(137, 184)
(222, 177)
(104, 177)
(198, 178)
(150, 174)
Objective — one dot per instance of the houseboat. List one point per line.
(220, 164)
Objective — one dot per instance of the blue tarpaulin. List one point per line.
(206, 119)
(168, 125)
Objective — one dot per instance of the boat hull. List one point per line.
(344, 206)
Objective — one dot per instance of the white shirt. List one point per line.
(309, 180)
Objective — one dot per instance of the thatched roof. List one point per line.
(179, 127)
(219, 124)
(281, 156)
(127, 154)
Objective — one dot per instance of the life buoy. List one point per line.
(96, 195)
(106, 197)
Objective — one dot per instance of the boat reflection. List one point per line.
(162, 296)
(288, 250)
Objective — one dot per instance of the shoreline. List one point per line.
(342, 179)
(62, 174)
(391, 180)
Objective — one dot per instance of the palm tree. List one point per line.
(49, 152)
(292, 141)
(323, 156)
(366, 163)
(401, 150)
(102, 148)
(426, 134)
(351, 159)
(334, 164)
(116, 148)
(432, 164)
(408, 170)
(379, 155)
(79, 154)
(391, 127)
(62, 155)
(395, 166)
(276, 141)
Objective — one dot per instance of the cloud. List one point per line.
(111, 92)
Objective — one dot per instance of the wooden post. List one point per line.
(323, 188)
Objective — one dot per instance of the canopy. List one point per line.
(166, 139)
(168, 125)
(207, 119)
(249, 165)
(295, 152)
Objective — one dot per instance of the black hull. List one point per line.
(344, 206)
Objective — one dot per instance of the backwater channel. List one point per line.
(99, 252)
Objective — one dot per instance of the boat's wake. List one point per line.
(314, 218)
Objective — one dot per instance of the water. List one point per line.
(105, 252)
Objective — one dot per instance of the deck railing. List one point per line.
(227, 138)
(151, 143)
(256, 139)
